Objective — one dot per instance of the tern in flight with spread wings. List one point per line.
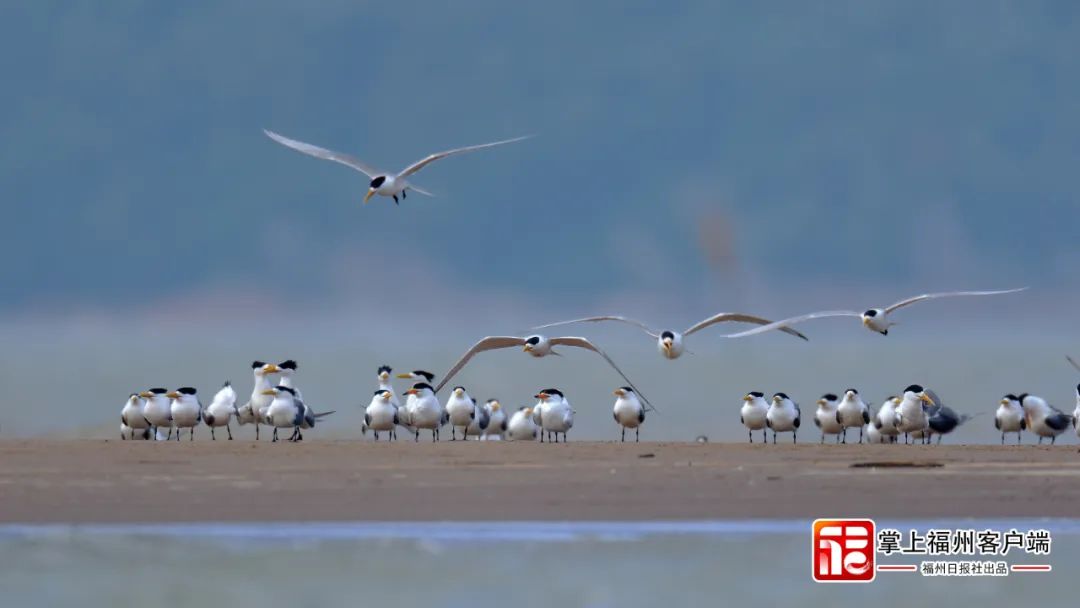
(536, 346)
(670, 343)
(382, 183)
(875, 319)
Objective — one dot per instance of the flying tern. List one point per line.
(382, 183)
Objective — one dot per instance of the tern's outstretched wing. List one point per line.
(601, 318)
(739, 317)
(584, 343)
(948, 294)
(792, 321)
(420, 164)
(1073, 361)
(488, 343)
(323, 153)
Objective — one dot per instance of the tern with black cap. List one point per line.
(382, 183)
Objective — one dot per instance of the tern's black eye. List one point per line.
(533, 340)
(667, 335)
(378, 181)
(870, 313)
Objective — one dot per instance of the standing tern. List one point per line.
(461, 410)
(911, 414)
(556, 415)
(221, 409)
(1044, 419)
(522, 426)
(251, 412)
(1009, 417)
(132, 416)
(158, 412)
(825, 416)
(186, 410)
(784, 416)
(874, 319)
(884, 421)
(381, 415)
(382, 183)
(480, 423)
(384, 372)
(285, 411)
(497, 422)
(424, 409)
(536, 346)
(754, 414)
(852, 412)
(629, 413)
(670, 342)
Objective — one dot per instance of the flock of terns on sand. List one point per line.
(917, 414)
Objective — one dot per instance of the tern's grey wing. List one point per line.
(738, 317)
(1073, 361)
(601, 318)
(420, 164)
(323, 153)
(948, 294)
(792, 321)
(584, 343)
(488, 343)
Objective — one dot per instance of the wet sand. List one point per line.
(115, 481)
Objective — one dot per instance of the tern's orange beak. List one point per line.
(370, 193)
(411, 391)
(172, 395)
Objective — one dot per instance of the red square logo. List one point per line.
(843, 550)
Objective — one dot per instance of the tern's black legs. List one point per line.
(256, 431)
(774, 437)
(1003, 439)
(860, 434)
(395, 200)
(794, 437)
(637, 435)
(624, 433)
(228, 430)
(844, 432)
(1018, 438)
(191, 437)
(416, 437)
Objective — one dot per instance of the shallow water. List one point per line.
(475, 564)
